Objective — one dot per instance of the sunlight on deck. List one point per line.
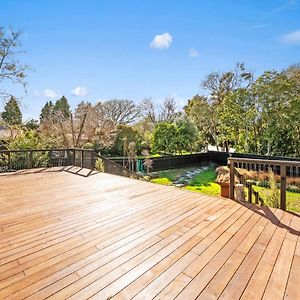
(70, 233)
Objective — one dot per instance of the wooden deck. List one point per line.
(64, 235)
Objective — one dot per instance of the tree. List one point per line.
(62, 106)
(187, 135)
(32, 124)
(164, 138)
(86, 125)
(12, 114)
(263, 118)
(166, 112)
(120, 111)
(204, 116)
(128, 133)
(148, 110)
(47, 112)
(11, 70)
(220, 83)
(174, 137)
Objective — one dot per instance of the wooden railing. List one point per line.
(286, 174)
(14, 160)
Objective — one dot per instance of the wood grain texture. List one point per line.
(64, 234)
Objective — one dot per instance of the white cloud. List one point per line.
(79, 91)
(291, 38)
(162, 41)
(193, 52)
(50, 94)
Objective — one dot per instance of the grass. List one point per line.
(292, 199)
(205, 183)
(163, 181)
(172, 174)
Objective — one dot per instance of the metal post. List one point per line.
(92, 159)
(74, 157)
(82, 158)
(30, 159)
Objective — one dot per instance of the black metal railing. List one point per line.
(14, 160)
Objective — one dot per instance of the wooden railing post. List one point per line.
(231, 182)
(283, 187)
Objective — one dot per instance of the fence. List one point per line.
(267, 180)
(116, 169)
(14, 160)
(216, 157)
(173, 161)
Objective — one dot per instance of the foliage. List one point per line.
(29, 139)
(47, 112)
(11, 70)
(12, 114)
(119, 111)
(99, 165)
(187, 135)
(260, 117)
(219, 84)
(163, 181)
(223, 174)
(164, 138)
(32, 124)
(174, 137)
(62, 106)
(128, 133)
(273, 193)
(148, 162)
(203, 115)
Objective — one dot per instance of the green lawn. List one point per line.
(205, 183)
(172, 174)
(292, 199)
(164, 181)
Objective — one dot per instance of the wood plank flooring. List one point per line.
(66, 235)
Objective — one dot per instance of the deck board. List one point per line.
(70, 234)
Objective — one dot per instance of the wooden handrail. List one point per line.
(283, 164)
(265, 161)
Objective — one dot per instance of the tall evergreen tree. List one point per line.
(63, 106)
(46, 112)
(12, 114)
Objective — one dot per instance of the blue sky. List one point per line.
(98, 50)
